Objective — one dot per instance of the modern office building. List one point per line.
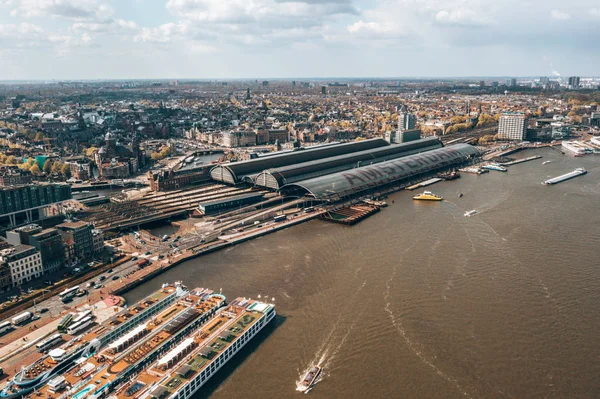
(406, 120)
(24, 263)
(512, 126)
(574, 82)
(16, 201)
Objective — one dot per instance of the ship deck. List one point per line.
(132, 348)
(198, 352)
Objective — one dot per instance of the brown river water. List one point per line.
(419, 301)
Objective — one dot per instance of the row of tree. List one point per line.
(49, 167)
(164, 152)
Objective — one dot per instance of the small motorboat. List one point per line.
(310, 378)
(470, 213)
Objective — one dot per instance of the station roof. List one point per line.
(338, 185)
(234, 172)
(240, 197)
(276, 178)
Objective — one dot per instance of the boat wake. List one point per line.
(329, 349)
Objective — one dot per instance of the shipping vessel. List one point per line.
(427, 196)
(566, 176)
(147, 349)
(310, 378)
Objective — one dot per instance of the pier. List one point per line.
(424, 184)
(521, 160)
(350, 215)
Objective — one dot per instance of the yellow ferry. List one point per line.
(427, 196)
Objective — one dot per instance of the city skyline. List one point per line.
(210, 39)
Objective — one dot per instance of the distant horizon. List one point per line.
(313, 78)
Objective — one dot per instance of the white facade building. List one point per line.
(512, 126)
(24, 262)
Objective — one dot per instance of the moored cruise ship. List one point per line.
(195, 331)
(35, 376)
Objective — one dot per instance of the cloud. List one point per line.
(461, 16)
(162, 34)
(559, 15)
(595, 12)
(69, 9)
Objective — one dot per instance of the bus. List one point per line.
(68, 293)
(64, 323)
(48, 343)
(279, 218)
(82, 316)
(309, 209)
(81, 325)
(5, 327)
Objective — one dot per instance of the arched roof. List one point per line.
(338, 185)
(234, 172)
(276, 178)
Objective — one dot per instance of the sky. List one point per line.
(230, 39)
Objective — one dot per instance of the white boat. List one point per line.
(471, 213)
(494, 166)
(310, 378)
(546, 162)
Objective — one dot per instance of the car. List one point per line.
(102, 278)
(99, 286)
(115, 277)
(43, 310)
(90, 284)
(81, 293)
(148, 253)
(110, 270)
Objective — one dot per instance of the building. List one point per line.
(24, 263)
(221, 205)
(406, 120)
(574, 82)
(13, 176)
(174, 179)
(512, 82)
(50, 246)
(118, 161)
(512, 126)
(78, 240)
(239, 138)
(97, 240)
(81, 169)
(26, 200)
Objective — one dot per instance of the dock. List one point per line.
(567, 176)
(350, 215)
(424, 183)
(521, 160)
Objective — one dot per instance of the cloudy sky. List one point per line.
(92, 39)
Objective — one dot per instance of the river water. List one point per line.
(419, 301)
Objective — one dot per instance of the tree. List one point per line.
(35, 169)
(56, 167)
(90, 151)
(39, 136)
(11, 160)
(66, 170)
(47, 166)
